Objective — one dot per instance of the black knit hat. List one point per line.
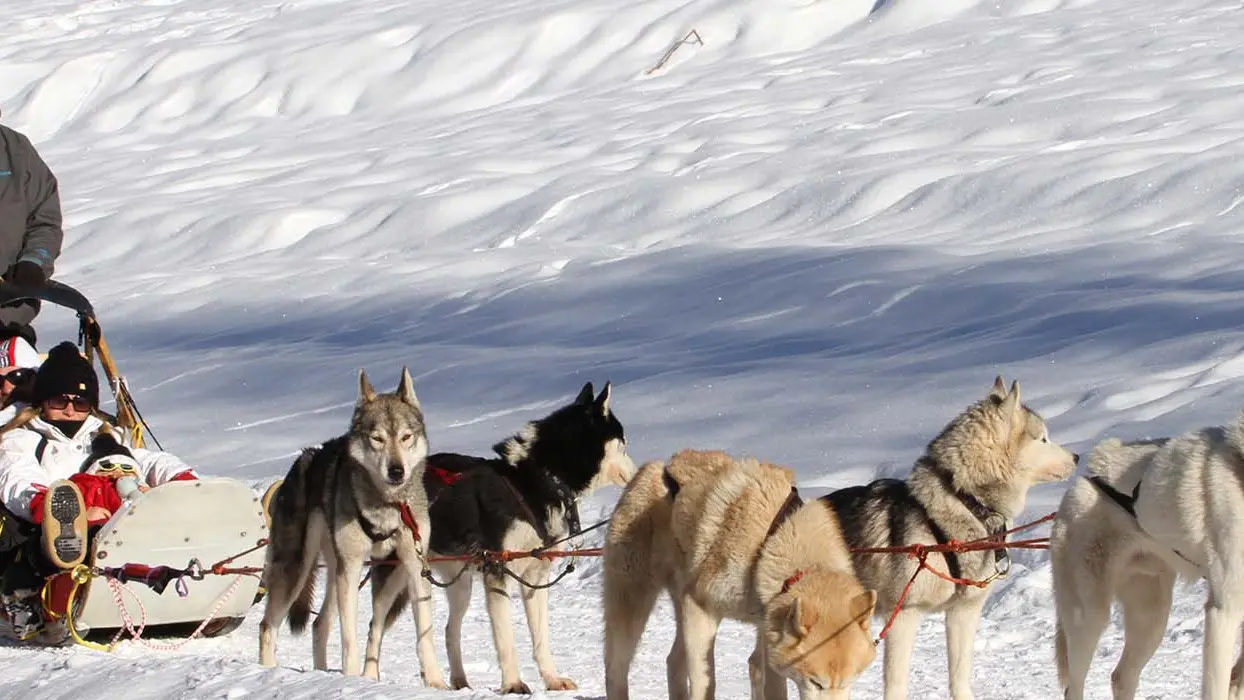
(66, 371)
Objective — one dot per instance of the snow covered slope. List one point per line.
(813, 237)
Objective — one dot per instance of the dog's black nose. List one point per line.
(1075, 458)
(396, 474)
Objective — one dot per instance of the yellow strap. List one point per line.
(81, 574)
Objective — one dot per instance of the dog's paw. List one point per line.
(458, 683)
(560, 684)
(434, 680)
(515, 688)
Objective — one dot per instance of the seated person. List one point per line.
(18, 362)
(50, 476)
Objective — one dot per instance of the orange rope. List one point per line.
(921, 552)
(220, 569)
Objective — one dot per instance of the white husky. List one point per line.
(1150, 512)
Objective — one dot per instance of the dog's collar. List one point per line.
(792, 580)
(374, 534)
(993, 521)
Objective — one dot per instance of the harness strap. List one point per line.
(408, 519)
(541, 527)
(792, 503)
(994, 522)
(1126, 502)
(570, 508)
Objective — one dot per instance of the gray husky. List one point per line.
(971, 483)
(354, 497)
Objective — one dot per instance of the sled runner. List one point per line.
(151, 565)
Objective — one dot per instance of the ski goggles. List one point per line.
(79, 403)
(115, 467)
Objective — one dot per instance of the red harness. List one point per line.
(408, 519)
(445, 476)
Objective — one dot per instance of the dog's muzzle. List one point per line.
(396, 474)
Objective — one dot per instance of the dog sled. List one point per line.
(182, 558)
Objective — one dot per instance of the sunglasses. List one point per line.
(59, 403)
(19, 377)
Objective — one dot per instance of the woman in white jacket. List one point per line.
(51, 477)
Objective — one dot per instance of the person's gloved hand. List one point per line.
(28, 274)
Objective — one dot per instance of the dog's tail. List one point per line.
(1121, 463)
(288, 541)
(300, 611)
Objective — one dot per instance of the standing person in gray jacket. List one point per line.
(30, 228)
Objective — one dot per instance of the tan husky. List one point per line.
(731, 539)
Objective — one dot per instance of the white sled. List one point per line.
(175, 525)
(171, 525)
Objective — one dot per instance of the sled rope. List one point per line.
(527, 584)
(484, 558)
(81, 575)
(220, 568)
(427, 573)
(496, 560)
(567, 538)
(136, 633)
(921, 552)
(493, 560)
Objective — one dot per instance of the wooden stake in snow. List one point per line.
(685, 40)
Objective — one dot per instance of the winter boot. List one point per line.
(21, 615)
(64, 525)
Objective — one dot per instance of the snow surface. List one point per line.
(814, 237)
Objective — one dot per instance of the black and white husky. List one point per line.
(519, 501)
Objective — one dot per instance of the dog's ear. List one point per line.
(794, 625)
(862, 607)
(799, 619)
(999, 388)
(586, 394)
(602, 401)
(1011, 404)
(366, 393)
(406, 389)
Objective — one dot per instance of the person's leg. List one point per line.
(19, 590)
